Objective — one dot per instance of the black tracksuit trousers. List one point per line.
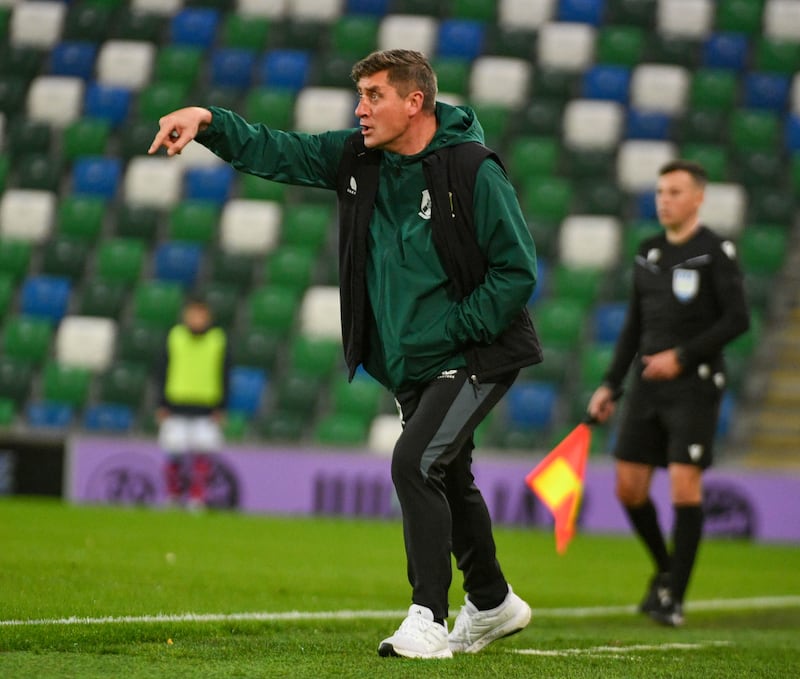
(443, 510)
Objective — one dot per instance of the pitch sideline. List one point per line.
(753, 603)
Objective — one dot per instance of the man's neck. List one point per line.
(683, 232)
(417, 137)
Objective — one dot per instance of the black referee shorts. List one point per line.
(672, 422)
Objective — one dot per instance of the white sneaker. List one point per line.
(417, 637)
(474, 630)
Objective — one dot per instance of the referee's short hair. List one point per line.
(696, 170)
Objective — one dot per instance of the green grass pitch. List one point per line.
(59, 561)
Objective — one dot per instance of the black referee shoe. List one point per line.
(670, 615)
(658, 594)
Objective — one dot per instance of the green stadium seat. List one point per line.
(315, 355)
(66, 384)
(666, 49)
(125, 383)
(555, 368)
(15, 258)
(594, 362)
(131, 24)
(752, 130)
(5, 163)
(541, 117)
(269, 106)
(581, 285)
(304, 34)
(120, 259)
(600, 197)
(194, 221)
(178, 63)
(38, 171)
(284, 426)
(531, 155)
(510, 41)
(158, 303)
(13, 89)
(715, 89)
(759, 168)
(620, 45)
(632, 12)
(256, 188)
(422, 7)
(7, 407)
(85, 137)
(794, 172)
(307, 225)
(290, 266)
(334, 71)
(273, 308)
(65, 256)
(256, 347)
(16, 377)
(355, 35)
(556, 85)
(81, 217)
(713, 157)
(360, 398)
(27, 338)
(5, 16)
(103, 298)
(341, 430)
(25, 136)
(234, 269)
(6, 293)
(245, 31)
(495, 120)
(142, 342)
(23, 61)
(161, 97)
(703, 126)
(739, 16)
(477, 10)
(298, 393)
(547, 197)
(591, 164)
(88, 22)
(777, 56)
(140, 222)
(634, 234)
(559, 322)
(545, 234)
(759, 289)
(222, 299)
(763, 248)
(138, 136)
(452, 75)
(234, 427)
(771, 205)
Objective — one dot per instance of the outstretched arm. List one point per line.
(177, 129)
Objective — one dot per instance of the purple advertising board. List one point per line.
(738, 503)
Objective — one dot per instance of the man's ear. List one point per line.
(415, 102)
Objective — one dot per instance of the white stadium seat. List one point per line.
(196, 155)
(500, 80)
(37, 24)
(163, 7)
(320, 312)
(270, 9)
(154, 182)
(383, 434)
(125, 63)
(724, 209)
(794, 97)
(525, 14)
(86, 342)
(638, 163)
(56, 100)
(691, 19)
(592, 124)
(408, 31)
(659, 87)
(590, 241)
(324, 108)
(250, 227)
(27, 214)
(566, 46)
(782, 20)
(315, 10)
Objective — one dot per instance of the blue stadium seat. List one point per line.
(766, 90)
(285, 69)
(208, 183)
(531, 405)
(373, 7)
(178, 262)
(45, 297)
(108, 417)
(793, 133)
(460, 38)
(582, 11)
(106, 102)
(195, 27)
(96, 176)
(726, 413)
(645, 205)
(73, 59)
(607, 82)
(49, 415)
(726, 50)
(246, 389)
(607, 321)
(542, 279)
(647, 125)
(232, 67)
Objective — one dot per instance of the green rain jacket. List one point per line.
(417, 330)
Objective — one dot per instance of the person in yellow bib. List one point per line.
(193, 392)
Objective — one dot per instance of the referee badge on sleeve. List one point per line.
(685, 284)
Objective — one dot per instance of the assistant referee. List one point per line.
(687, 303)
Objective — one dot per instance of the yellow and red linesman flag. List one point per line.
(558, 481)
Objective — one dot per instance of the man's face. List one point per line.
(197, 317)
(678, 198)
(384, 115)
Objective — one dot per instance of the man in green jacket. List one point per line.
(436, 268)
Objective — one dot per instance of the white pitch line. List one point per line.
(617, 651)
(753, 603)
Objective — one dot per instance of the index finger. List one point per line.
(163, 134)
